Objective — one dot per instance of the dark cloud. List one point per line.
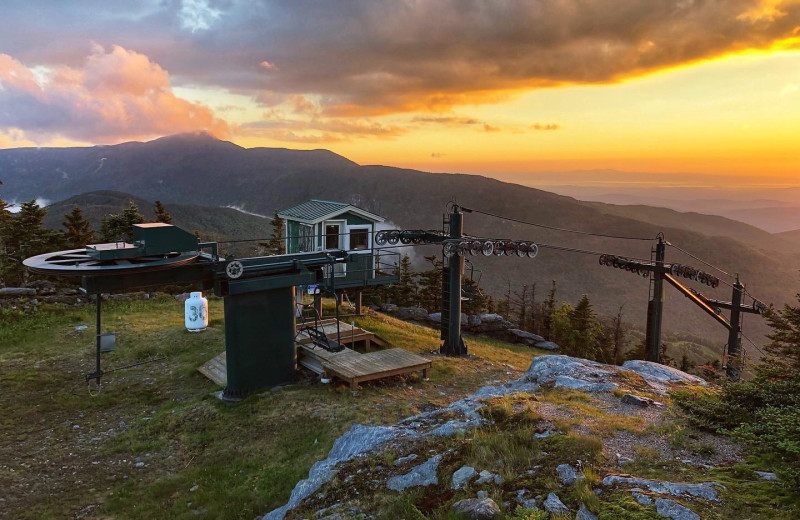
(368, 57)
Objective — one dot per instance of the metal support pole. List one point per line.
(452, 343)
(733, 367)
(97, 370)
(655, 307)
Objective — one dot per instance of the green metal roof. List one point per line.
(317, 210)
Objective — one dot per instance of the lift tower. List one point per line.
(452, 342)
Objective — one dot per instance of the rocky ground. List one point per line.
(569, 439)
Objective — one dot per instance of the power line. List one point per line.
(621, 237)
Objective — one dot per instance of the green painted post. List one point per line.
(453, 344)
(733, 367)
(655, 307)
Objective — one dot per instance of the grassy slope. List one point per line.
(245, 459)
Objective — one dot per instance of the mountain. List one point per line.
(208, 172)
(209, 222)
(792, 236)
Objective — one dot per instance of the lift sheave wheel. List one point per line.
(77, 262)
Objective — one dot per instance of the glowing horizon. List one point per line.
(698, 92)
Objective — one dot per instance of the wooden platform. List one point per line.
(356, 368)
(348, 334)
(347, 365)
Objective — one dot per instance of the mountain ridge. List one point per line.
(209, 172)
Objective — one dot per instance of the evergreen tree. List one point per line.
(548, 308)
(560, 327)
(23, 237)
(276, 244)
(782, 360)
(162, 215)
(405, 289)
(79, 231)
(430, 285)
(119, 227)
(587, 329)
(478, 303)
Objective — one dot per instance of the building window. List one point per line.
(359, 239)
(332, 232)
(306, 239)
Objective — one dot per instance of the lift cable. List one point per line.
(701, 260)
(622, 237)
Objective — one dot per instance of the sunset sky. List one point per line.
(496, 87)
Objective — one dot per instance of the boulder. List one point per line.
(388, 307)
(567, 474)
(546, 345)
(767, 475)
(585, 514)
(486, 477)
(435, 317)
(13, 292)
(411, 313)
(493, 323)
(635, 400)
(523, 336)
(671, 509)
(422, 475)
(462, 476)
(570, 372)
(473, 320)
(704, 490)
(404, 460)
(477, 509)
(182, 297)
(554, 505)
(658, 375)
(642, 499)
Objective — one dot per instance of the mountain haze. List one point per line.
(201, 170)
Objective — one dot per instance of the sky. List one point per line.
(692, 88)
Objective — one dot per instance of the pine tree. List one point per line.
(162, 215)
(548, 308)
(430, 285)
(588, 330)
(782, 360)
(276, 245)
(23, 237)
(116, 227)
(79, 231)
(406, 288)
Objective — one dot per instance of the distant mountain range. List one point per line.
(196, 176)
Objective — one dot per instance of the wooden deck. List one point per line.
(347, 365)
(356, 368)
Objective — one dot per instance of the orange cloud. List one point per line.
(115, 96)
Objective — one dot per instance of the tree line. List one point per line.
(22, 234)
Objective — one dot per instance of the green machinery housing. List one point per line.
(258, 292)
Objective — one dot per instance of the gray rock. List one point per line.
(567, 474)
(464, 319)
(483, 494)
(546, 345)
(404, 460)
(658, 375)
(474, 320)
(388, 307)
(705, 490)
(585, 514)
(182, 297)
(621, 461)
(17, 291)
(462, 476)
(522, 336)
(411, 313)
(542, 435)
(435, 317)
(671, 509)
(642, 499)
(359, 439)
(635, 400)
(579, 384)
(486, 476)
(477, 509)
(554, 505)
(767, 475)
(529, 504)
(568, 372)
(422, 475)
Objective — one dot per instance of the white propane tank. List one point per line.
(196, 308)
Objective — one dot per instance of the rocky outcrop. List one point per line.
(462, 476)
(673, 510)
(704, 490)
(422, 475)
(554, 505)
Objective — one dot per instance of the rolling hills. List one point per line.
(199, 169)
